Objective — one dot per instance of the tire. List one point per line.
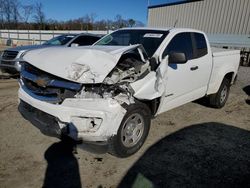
(132, 132)
(219, 99)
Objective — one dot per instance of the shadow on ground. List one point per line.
(203, 155)
(204, 101)
(63, 169)
(247, 91)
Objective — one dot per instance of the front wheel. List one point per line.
(219, 99)
(132, 132)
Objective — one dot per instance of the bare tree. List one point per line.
(88, 21)
(10, 11)
(39, 16)
(27, 12)
(119, 21)
(2, 13)
(6, 6)
(14, 15)
(139, 24)
(15, 12)
(109, 24)
(92, 17)
(100, 25)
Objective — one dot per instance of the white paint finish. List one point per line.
(108, 110)
(80, 64)
(175, 86)
(185, 85)
(223, 52)
(153, 85)
(224, 61)
(145, 88)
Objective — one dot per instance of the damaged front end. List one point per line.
(133, 65)
(78, 106)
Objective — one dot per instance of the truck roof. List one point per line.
(175, 29)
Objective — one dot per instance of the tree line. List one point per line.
(15, 15)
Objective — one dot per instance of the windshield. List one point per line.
(60, 40)
(150, 39)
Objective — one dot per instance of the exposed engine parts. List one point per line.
(105, 91)
(132, 66)
(129, 69)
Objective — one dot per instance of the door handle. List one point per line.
(194, 68)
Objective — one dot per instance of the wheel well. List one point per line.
(230, 76)
(153, 105)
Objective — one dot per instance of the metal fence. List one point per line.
(36, 36)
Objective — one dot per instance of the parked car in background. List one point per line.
(9, 59)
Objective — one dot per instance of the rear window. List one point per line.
(200, 45)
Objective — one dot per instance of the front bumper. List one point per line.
(46, 123)
(82, 119)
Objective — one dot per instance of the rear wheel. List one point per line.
(219, 99)
(132, 132)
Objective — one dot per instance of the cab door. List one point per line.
(186, 81)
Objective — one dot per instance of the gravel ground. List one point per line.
(189, 146)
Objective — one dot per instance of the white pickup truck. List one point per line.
(108, 92)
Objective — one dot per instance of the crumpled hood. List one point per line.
(89, 64)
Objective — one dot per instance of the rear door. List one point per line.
(186, 82)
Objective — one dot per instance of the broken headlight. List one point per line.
(77, 70)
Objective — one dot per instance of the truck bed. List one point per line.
(224, 61)
(223, 52)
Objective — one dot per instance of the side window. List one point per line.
(92, 40)
(85, 40)
(200, 45)
(182, 42)
(122, 39)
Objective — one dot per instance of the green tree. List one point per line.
(131, 22)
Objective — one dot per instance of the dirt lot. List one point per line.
(189, 146)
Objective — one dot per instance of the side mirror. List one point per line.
(177, 58)
(153, 63)
(74, 45)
